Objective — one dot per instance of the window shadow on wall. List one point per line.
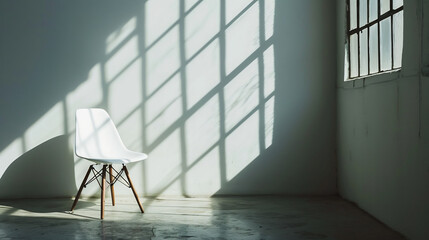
(185, 87)
(192, 84)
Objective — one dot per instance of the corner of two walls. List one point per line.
(382, 134)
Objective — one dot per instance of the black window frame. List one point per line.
(358, 30)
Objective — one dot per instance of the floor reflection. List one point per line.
(192, 218)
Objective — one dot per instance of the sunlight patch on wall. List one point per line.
(125, 93)
(10, 153)
(203, 177)
(159, 18)
(163, 60)
(202, 137)
(202, 130)
(164, 166)
(202, 74)
(131, 127)
(269, 18)
(238, 48)
(121, 59)
(50, 125)
(117, 37)
(241, 95)
(269, 122)
(269, 73)
(201, 25)
(163, 109)
(233, 8)
(189, 4)
(269, 87)
(89, 93)
(242, 146)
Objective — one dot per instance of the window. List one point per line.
(374, 36)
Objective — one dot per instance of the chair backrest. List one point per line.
(96, 135)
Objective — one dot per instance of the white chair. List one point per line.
(98, 140)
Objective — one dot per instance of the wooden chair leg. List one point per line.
(81, 187)
(112, 189)
(132, 187)
(103, 189)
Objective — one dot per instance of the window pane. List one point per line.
(385, 6)
(398, 38)
(373, 10)
(386, 44)
(379, 47)
(353, 56)
(364, 52)
(397, 3)
(363, 13)
(353, 14)
(373, 48)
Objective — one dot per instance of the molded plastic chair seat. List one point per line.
(124, 157)
(98, 140)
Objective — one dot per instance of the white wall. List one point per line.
(244, 105)
(383, 158)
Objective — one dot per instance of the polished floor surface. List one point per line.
(289, 218)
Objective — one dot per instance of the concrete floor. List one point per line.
(290, 218)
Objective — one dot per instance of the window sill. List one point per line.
(360, 82)
(376, 75)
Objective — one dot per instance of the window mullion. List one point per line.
(348, 36)
(367, 39)
(391, 32)
(358, 34)
(379, 19)
(378, 32)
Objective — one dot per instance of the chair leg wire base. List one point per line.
(114, 176)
